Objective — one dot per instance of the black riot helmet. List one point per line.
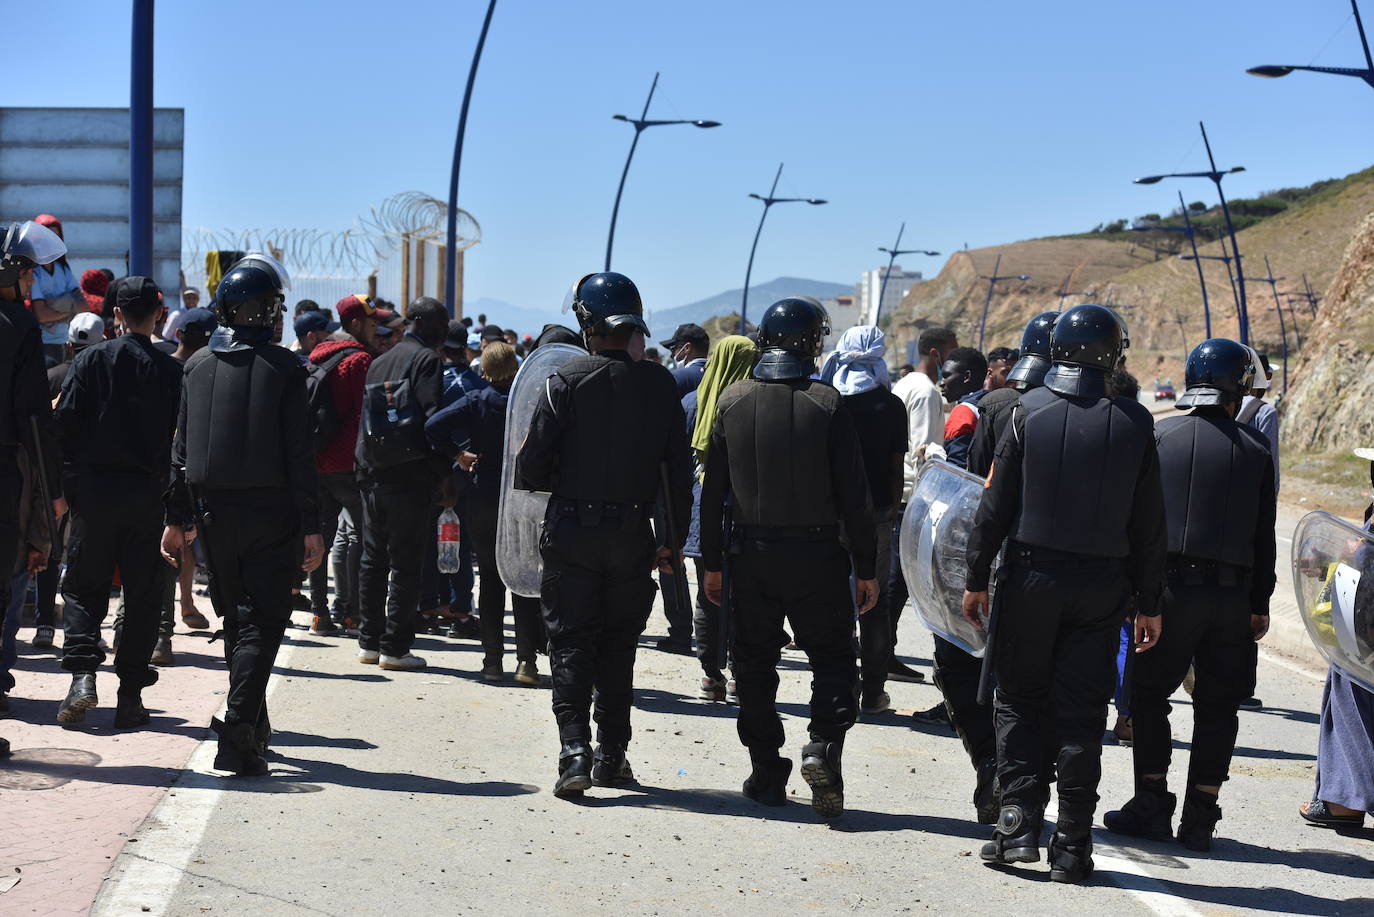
(25, 245)
(606, 302)
(792, 335)
(1029, 371)
(251, 294)
(1219, 371)
(1085, 349)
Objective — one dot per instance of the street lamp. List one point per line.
(992, 280)
(1365, 73)
(1278, 307)
(1191, 230)
(1216, 176)
(893, 252)
(768, 201)
(451, 226)
(640, 125)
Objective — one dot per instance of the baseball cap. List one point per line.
(688, 334)
(312, 321)
(388, 322)
(138, 291)
(86, 329)
(457, 338)
(493, 333)
(198, 319)
(354, 307)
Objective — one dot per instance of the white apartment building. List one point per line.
(898, 285)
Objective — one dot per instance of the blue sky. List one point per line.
(975, 122)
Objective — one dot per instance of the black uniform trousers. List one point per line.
(1059, 629)
(681, 621)
(116, 523)
(876, 635)
(253, 550)
(896, 588)
(10, 492)
(397, 520)
(338, 492)
(483, 510)
(1207, 625)
(596, 592)
(956, 675)
(806, 584)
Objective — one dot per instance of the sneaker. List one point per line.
(162, 652)
(1252, 703)
(899, 671)
(322, 626)
(492, 672)
(408, 662)
(874, 704)
(350, 627)
(731, 697)
(369, 657)
(668, 645)
(469, 627)
(194, 620)
(712, 688)
(300, 602)
(527, 673)
(42, 637)
(935, 716)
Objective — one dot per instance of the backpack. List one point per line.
(393, 425)
(325, 422)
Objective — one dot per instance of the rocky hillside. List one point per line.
(1159, 298)
(1328, 408)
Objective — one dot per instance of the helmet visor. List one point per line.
(33, 241)
(271, 264)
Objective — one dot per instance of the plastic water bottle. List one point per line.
(449, 534)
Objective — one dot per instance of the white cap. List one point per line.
(86, 329)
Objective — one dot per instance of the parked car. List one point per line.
(1164, 391)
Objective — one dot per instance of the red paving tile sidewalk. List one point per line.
(69, 798)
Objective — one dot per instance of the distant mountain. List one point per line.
(521, 320)
(665, 321)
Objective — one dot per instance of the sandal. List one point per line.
(1318, 812)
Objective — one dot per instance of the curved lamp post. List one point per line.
(451, 228)
(1365, 73)
(893, 252)
(640, 124)
(768, 201)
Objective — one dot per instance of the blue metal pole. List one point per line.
(451, 232)
(1201, 280)
(1244, 308)
(619, 192)
(749, 270)
(992, 282)
(141, 140)
(882, 288)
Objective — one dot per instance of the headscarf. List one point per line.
(857, 365)
(94, 283)
(731, 360)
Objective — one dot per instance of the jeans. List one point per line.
(339, 493)
(397, 522)
(491, 599)
(345, 559)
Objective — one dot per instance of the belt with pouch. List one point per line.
(1029, 555)
(592, 513)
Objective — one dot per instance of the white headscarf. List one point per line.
(857, 364)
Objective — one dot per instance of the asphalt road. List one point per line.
(429, 793)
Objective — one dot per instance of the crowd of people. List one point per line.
(151, 450)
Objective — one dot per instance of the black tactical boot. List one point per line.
(1148, 814)
(1071, 858)
(820, 768)
(987, 796)
(237, 753)
(262, 735)
(80, 698)
(129, 710)
(1016, 839)
(574, 771)
(1199, 819)
(611, 768)
(767, 783)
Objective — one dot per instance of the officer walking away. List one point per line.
(243, 475)
(116, 416)
(1086, 530)
(400, 477)
(785, 446)
(597, 441)
(1219, 504)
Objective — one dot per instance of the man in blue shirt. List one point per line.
(689, 347)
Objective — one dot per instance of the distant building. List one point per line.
(898, 285)
(844, 314)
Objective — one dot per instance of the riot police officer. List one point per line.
(243, 467)
(597, 441)
(1075, 487)
(785, 451)
(1219, 504)
(995, 409)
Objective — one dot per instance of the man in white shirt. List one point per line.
(925, 409)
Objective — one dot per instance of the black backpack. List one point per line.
(393, 425)
(325, 421)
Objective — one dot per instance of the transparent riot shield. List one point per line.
(934, 538)
(522, 511)
(1335, 597)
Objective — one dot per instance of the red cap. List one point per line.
(50, 221)
(354, 307)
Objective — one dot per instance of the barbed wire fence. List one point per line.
(395, 252)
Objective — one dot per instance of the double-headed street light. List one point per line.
(1365, 73)
(768, 201)
(1215, 176)
(640, 124)
(993, 279)
(893, 253)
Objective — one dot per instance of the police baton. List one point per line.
(671, 531)
(201, 516)
(723, 633)
(990, 652)
(42, 476)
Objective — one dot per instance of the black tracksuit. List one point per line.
(789, 453)
(596, 442)
(1075, 486)
(116, 416)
